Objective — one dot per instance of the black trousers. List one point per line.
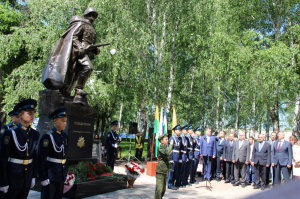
(214, 167)
(188, 170)
(138, 153)
(261, 172)
(52, 191)
(14, 193)
(229, 171)
(182, 178)
(173, 174)
(111, 161)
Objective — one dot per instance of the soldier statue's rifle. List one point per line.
(92, 47)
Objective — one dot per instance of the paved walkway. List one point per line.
(144, 187)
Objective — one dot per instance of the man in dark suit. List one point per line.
(261, 158)
(240, 156)
(208, 151)
(227, 156)
(220, 150)
(271, 169)
(282, 158)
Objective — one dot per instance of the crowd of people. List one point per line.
(236, 160)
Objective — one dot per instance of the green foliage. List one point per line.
(9, 18)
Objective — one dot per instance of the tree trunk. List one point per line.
(203, 102)
(225, 99)
(212, 104)
(191, 91)
(120, 116)
(103, 133)
(218, 102)
(254, 114)
(143, 117)
(237, 105)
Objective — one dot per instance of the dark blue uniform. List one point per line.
(53, 162)
(190, 152)
(196, 144)
(112, 152)
(174, 159)
(18, 144)
(184, 158)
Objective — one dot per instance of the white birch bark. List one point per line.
(225, 100)
(237, 105)
(218, 102)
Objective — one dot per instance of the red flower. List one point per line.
(103, 167)
(69, 173)
(103, 174)
(68, 184)
(74, 165)
(89, 173)
(109, 174)
(87, 168)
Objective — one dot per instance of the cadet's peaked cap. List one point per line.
(90, 10)
(162, 136)
(190, 126)
(176, 127)
(13, 112)
(60, 112)
(115, 122)
(197, 129)
(184, 127)
(28, 104)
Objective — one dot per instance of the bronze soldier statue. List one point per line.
(70, 60)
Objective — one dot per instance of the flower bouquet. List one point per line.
(70, 180)
(134, 170)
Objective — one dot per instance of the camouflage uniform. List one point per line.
(162, 169)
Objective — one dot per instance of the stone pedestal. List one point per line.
(80, 125)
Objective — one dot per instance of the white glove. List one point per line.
(115, 145)
(32, 183)
(4, 189)
(45, 182)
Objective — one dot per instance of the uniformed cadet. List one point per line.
(190, 152)
(196, 143)
(112, 141)
(163, 166)
(15, 119)
(174, 159)
(18, 160)
(53, 156)
(184, 156)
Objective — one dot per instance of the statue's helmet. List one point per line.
(90, 10)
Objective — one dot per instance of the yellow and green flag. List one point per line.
(174, 120)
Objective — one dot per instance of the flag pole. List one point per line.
(153, 139)
(152, 146)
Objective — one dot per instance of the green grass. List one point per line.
(125, 148)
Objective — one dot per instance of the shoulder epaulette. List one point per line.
(14, 127)
(49, 132)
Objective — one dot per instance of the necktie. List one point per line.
(279, 146)
(260, 146)
(231, 143)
